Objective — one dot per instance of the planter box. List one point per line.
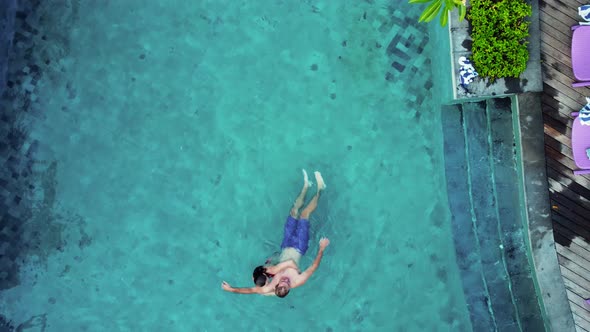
(529, 81)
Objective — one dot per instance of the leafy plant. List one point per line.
(499, 33)
(442, 6)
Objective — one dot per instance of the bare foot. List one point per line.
(301, 198)
(306, 183)
(320, 181)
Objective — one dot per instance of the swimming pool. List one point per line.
(162, 145)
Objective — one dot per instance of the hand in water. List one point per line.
(225, 286)
(324, 242)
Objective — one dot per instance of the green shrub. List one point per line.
(499, 33)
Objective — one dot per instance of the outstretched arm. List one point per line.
(324, 242)
(246, 290)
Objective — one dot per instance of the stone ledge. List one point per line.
(529, 81)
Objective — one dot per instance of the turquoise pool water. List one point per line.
(164, 143)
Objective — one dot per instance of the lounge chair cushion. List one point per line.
(580, 144)
(581, 53)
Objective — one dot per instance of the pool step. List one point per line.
(483, 187)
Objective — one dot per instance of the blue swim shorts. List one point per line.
(296, 234)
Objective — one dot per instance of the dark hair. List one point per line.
(281, 291)
(259, 276)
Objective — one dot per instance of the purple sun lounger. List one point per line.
(580, 143)
(581, 55)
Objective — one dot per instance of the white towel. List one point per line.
(584, 12)
(467, 72)
(584, 113)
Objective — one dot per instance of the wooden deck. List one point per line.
(569, 193)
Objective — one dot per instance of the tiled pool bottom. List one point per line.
(148, 178)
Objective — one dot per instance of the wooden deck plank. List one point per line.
(578, 263)
(561, 211)
(574, 3)
(573, 191)
(580, 231)
(555, 145)
(582, 325)
(566, 204)
(563, 83)
(571, 4)
(555, 28)
(557, 113)
(578, 306)
(569, 193)
(552, 132)
(565, 12)
(557, 44)
(558, 158)
(559, 162)
(560, 85)
(568, 263)
(577, 296)
(565, 165)
(563, 102)
(560, 107)
(579, 281)
(556, 76)
(579, 310)
(551, 52)
(560, 128)
(574, 249)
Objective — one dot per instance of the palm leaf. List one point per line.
(462, 12)
(444, 17)
(430, 12)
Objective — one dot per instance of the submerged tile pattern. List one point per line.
(410, 64)
(395, 34)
